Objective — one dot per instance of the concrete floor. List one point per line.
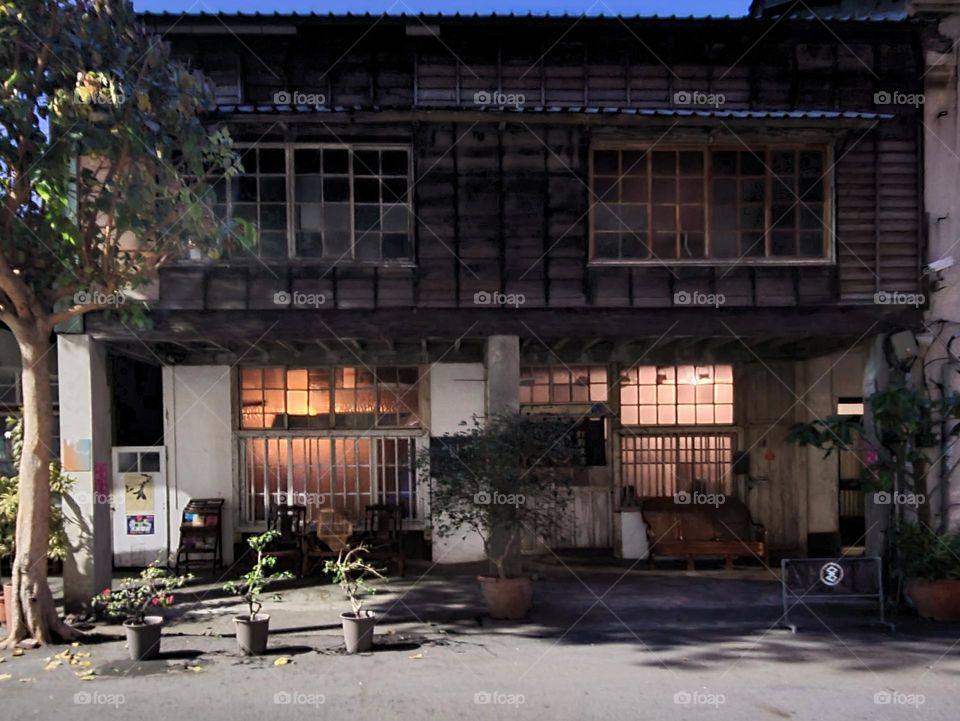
(604, 642)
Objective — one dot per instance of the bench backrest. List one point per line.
(668, 520)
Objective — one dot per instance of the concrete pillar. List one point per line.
(503, 374)
(85, 422)
(823, 511)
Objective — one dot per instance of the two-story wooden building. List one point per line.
(684, 234)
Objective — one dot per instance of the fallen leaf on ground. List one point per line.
(417, 655)
(282, 661)
(17, 652)
(26, 680)
(86, 676)
(196, 669)
(6, 676)
(52, 665)
(75, 644)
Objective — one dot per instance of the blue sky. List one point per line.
(590, 7)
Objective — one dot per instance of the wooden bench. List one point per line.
(702, 531)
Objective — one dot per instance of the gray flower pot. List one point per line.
(358, 632)
(143, 639)
(252, 634)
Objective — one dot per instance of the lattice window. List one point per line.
(663, 464)
(677, 395)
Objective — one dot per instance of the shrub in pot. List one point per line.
(138, 602)
(503, 478)
(253, 628)
(929, 565)
(352, 573)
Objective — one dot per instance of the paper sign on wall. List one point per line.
(141, 525)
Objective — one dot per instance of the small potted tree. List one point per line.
(352, 573)
(134, 600)
(504, 478)
(929, 566)
(253, 629)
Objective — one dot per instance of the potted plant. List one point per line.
(60, 484)
(253, 629)
(351, 572)
(929, 566)
(504, 478)
(134, 600)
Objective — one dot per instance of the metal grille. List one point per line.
(345, 474)
(669, 463)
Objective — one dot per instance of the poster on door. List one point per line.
(139, 503)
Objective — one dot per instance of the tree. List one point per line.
(105, 169)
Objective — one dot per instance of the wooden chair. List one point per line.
(381, 534)
(291, 522)
(333, 535)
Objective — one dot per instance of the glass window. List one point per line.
(563, 384)
(685, 395)
(687, 204)
(345, 201)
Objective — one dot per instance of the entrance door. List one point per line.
(140, 532)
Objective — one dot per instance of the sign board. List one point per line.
(808, 581)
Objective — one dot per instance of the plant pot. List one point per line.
(4, 621)
(358, 631)
(143, 639)
(252, 634)
(939, 600)
(509, 598)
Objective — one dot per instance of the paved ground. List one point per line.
(601, 644)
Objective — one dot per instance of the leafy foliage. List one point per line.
(250, 586)
(60, 484)
(501, 478)
(919, 552)
(137, 596)
(904, 418)
(351, 572)
(106, 163)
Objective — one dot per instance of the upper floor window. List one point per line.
(337, 202)
(349, 398)
(766, 203)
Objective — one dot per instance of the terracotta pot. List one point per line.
(507, 597)
(3, 608)
(252, 634)
(143, 639)
(358, 632)
(939, 600)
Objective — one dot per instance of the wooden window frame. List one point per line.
(289, 149)
(829, 220)
(623, 383)
(331, 390)
(552, 385)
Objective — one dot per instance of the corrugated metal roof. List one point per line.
(570, 110)
(295, 16)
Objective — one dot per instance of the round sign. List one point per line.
(831, 573)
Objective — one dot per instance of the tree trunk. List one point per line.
(34, 611)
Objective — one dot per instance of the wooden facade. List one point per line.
(501, 195)
(502, 198)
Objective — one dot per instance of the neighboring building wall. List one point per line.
(941, 132)
(197, 419)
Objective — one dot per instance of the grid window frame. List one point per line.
(664, 396)
(608, 193)
(554, 384)
(317, 388)
(394, 208)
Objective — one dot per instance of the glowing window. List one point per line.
(684, 395)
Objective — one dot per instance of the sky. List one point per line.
(575, 7)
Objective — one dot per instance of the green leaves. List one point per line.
(919, 552)
(137, 596)
(352, 573)
(102, 134)
(250, 585)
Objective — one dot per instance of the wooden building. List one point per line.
(688, 230)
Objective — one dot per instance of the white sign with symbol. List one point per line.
(831, 573)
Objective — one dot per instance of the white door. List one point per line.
(139, 508)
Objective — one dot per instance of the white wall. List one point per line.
(457, 393)
(85, 415)
(197, 421)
